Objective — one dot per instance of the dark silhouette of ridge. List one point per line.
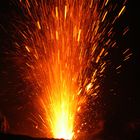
(4, 136)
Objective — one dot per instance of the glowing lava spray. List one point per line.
(62, 44)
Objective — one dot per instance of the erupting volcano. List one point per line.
(60, 49)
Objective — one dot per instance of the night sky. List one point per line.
(121, 105)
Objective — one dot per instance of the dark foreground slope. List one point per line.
(21, 137)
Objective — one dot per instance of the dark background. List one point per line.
(121, 105)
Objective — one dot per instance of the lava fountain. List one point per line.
(61, 44)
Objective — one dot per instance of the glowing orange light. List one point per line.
(61, 50)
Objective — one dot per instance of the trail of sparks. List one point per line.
(63, 43)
